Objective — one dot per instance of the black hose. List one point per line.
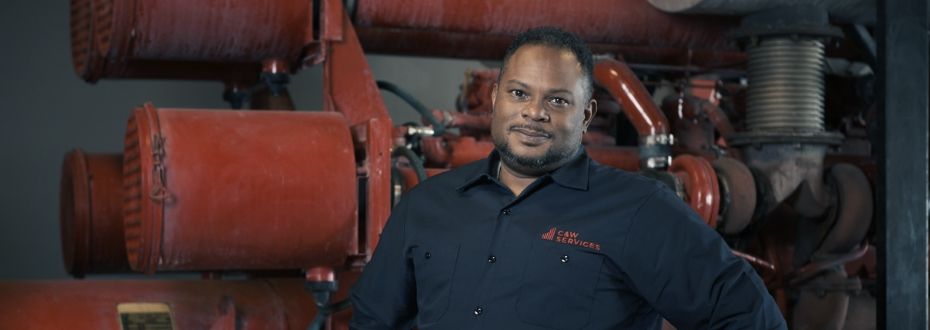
(438, 127)
(413, 159)
(323, 312)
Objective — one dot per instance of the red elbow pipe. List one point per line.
(625, 87)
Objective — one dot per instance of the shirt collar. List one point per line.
(573, 174)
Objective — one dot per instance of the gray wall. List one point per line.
(47, 110)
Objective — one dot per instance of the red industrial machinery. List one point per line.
(734, 116)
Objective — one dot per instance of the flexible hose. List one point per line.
(438, 127)
(413, 159)
(320, 319)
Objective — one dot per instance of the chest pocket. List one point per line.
(433, 268)
(558, 286)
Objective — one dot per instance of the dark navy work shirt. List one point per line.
(584, 247)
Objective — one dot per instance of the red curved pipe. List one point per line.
(701, 185)
(621, 82)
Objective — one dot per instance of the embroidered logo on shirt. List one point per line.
(570, 238)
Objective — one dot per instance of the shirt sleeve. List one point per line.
(686, 271)
(384, 297)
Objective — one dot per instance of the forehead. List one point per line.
(545, 67)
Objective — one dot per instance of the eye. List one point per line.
(517, 93)
(558, 101)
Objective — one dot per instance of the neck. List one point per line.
(516, 181)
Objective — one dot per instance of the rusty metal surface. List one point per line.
(186, 40)
(462, 28)
(91, 222)
(214, 190)
(194, 304)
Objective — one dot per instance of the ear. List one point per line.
(589, 112)
(493, 96)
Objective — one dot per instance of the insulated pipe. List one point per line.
(189, 304)
(91, 224)
(848, 11)
(221, 190)
(651, 125)
(463, 28)
(186, 39)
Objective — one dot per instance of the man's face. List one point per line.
(540, 109)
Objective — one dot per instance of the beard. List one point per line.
(555, 155)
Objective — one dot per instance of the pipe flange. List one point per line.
(781, 137)
(738, 189)
(852, 211)
(801, 20)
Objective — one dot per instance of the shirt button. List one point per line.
(478, 310)
(564, 258)
(507, 212)
(428, 255)
(492, 259)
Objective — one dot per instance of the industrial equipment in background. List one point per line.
(758, 115)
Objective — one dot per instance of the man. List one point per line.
(538, 236)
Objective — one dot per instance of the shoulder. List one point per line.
(445, 183)
(623, 184)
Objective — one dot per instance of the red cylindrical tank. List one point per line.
(191, 304)
(91, 221)
(215, 190)
(463, 28)
(186, 39)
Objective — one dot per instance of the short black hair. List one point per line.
(557, 38)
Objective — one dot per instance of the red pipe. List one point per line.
(91, 223)
(217, 190)
(625, 87)
(186, 40)
(463, 28)
(410, 176)
(624, 158)
(190, 304)
(703, 192)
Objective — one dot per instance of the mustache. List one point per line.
(531, 129)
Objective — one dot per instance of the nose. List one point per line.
(536, 111)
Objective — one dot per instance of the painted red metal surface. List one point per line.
(215, 190)
(409, 176)
(91, 222)
(700, 184)
(349, 88)
(194, 304)
(463, 28)
(625, 87)
(186, 40)
(624, 158)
